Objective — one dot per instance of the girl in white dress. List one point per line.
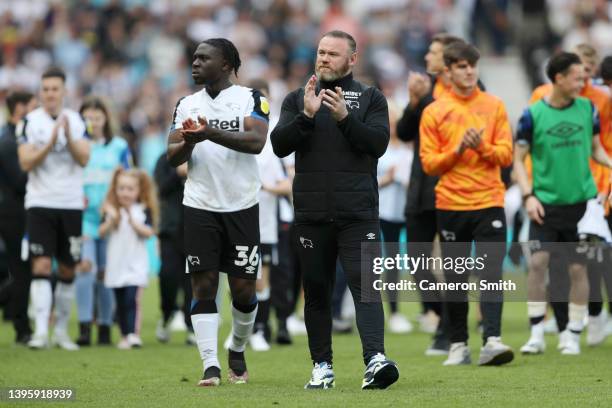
(129, 216)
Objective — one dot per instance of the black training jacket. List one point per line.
(12, 179)
(335, 162)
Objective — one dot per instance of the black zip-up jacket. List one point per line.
(12, 179)
(421, 190)
(335, 162)
(170, 190)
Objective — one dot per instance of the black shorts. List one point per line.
(560, 226)
(55, 233)
(224, 242)
(269, 254)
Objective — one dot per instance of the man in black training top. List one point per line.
(338, 128)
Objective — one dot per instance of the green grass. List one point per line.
(165, 375)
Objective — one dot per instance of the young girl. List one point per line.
(107, 153)
(128, 218)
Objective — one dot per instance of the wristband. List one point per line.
(526, 196)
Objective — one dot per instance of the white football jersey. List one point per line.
(58, 181)
(221, 179)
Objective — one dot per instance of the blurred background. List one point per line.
(137, 53)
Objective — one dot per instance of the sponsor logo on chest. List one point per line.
(352, 99)
(232, 125)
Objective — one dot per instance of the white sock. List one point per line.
(263, 295)
(537, 330)
(40, 293)
(242, 328)
(205, 327)
(536, 309)
(576, 317)
(64, 295)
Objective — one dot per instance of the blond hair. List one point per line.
(147, 194)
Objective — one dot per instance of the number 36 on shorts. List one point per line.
(247, 256)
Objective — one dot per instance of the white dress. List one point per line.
(127, 260)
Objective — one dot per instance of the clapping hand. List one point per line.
(312, 101)
(336, 103)
(194, 132)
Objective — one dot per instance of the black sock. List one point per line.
(595, 308)
(245, 308)
(263, 314)
(561, 314)
(236, 362)
(212, 372)
(535, 320)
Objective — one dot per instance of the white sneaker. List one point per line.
(134, 340)
(123, 344)
(161, 332)
(177, 322)
(535, 345)
(258, 341)
(63, 341)
(38, 342)
(322, 377)
(596, 330)
(495, 352)
(399, 324)
(380, 373)
(550, 326)
(459, 354)
(571, 344)
(563, 339)
(428, 322)
(296, 326)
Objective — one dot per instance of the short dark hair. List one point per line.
(54, 72)
(560, 63)
(228, 50)
(605, 68)
(261, 85)
(16, 98)
(460, 51)
(342, 34)
(94, 102)
(446, 39)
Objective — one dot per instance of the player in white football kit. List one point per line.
(218, 131)
(53, 149)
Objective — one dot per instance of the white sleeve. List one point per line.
(78, 130)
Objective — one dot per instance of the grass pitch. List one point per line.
(164, 375)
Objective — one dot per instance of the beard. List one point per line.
(331, 75)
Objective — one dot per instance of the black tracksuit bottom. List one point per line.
(487, 228)
(11, 232)
(318, 247)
